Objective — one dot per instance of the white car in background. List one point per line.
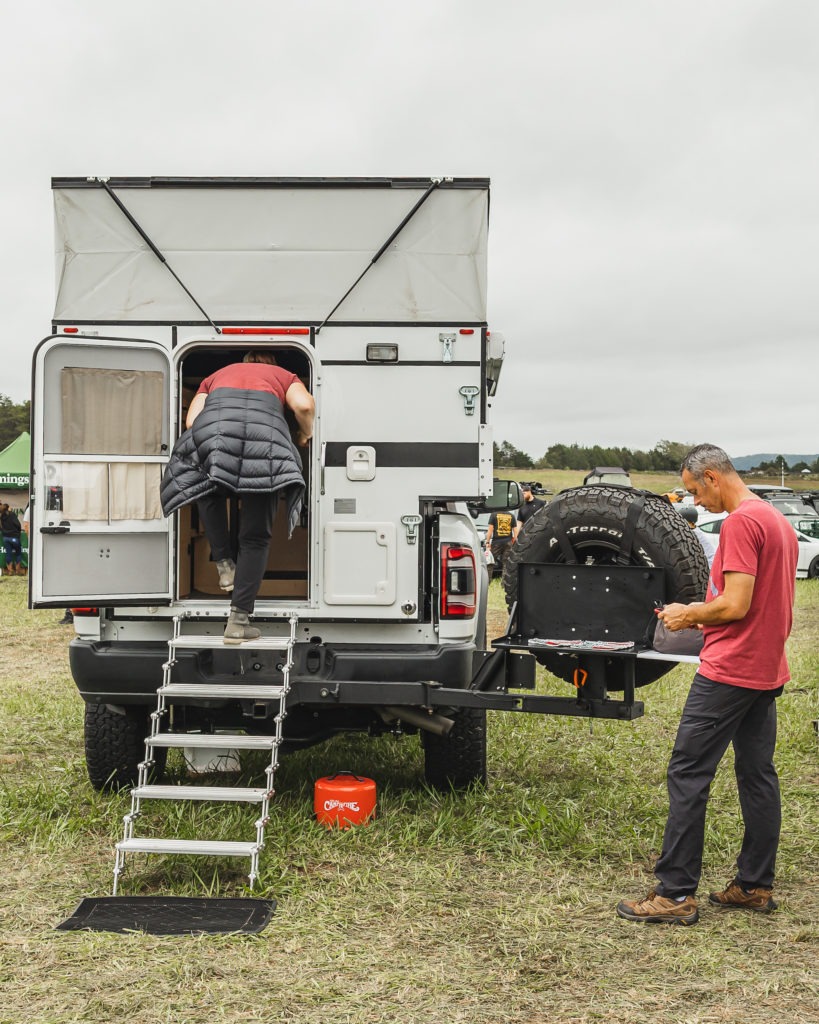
(807, 533)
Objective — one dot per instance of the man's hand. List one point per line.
(678, 616)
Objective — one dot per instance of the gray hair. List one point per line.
(706, 456)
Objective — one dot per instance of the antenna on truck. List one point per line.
(434, 183)
(103, 182)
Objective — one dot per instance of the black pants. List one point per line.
(715, 715)
(255, 530)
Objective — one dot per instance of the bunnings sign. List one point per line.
(13, 480)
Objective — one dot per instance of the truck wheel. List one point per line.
(593, 519)
(457, 760)
(813, 569)
(115, 745)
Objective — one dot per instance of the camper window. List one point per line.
(111, 412)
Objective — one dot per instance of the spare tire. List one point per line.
(593, 519)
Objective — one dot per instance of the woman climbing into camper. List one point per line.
(238, 442)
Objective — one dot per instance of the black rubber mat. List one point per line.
(169, 915)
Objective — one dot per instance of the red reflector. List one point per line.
(458, 588)
(70, 330)
(265, 330)
(85, 611)
(466, 330)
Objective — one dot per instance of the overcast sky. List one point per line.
(653, 233)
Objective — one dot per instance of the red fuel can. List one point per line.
(344, 799)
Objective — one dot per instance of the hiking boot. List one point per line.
(227, 570)
(238, 628)
(735, 895)
(67, 619)
(655, 909)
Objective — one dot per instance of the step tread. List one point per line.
(207, 741)
(206, 847)
(234, 691)
(229, 794)
(190, 641)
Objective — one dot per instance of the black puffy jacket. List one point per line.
(239, 442)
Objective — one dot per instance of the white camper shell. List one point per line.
(372, 291)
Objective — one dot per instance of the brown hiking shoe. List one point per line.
(733, 895)
(238, 629)
(655, 909)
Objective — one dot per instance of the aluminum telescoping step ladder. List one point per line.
(170, 693)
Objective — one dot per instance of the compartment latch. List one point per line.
(469, 392)
(411, 524)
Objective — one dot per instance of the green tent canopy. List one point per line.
(14, 464)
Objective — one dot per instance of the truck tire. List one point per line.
(813, 569)
(115, 745)
(593, 519)
(457, 760)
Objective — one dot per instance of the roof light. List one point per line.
(466, 330)
(71, 330)
(266, 330)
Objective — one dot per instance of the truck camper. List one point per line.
(373, 614)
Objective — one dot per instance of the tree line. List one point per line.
(665, 456)
(14, 419)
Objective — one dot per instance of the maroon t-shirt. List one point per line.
(250, 377)
(757, 540)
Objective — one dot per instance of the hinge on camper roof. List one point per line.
(448, 341)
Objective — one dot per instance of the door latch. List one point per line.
(469, 393)
(448, 341)
(411, 524)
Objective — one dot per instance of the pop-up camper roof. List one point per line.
(270, 250)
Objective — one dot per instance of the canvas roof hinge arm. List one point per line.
(103, 183)
(433, 184)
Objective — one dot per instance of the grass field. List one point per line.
(557, 479)
(496, 905)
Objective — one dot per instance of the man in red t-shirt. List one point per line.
(746, 618)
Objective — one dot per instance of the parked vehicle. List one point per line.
(807, 533)
(380, 598)
(612, 475)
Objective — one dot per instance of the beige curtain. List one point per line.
(111, 412)
(131, 487)
(135, 490)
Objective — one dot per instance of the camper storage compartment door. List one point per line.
(359, 563)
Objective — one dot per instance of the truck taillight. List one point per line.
(458, 597)
(85, 611)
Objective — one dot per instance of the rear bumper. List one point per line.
(128, 673)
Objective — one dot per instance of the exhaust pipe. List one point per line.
(434, 723)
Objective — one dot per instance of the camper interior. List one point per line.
(286, 576)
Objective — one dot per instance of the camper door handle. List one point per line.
(323, 463)
(56, 529)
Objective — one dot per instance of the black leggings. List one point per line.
(255, 529)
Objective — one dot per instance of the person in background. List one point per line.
(708, 541)
(11, 528)
(746, 618)
(500, 533)
(530, 505)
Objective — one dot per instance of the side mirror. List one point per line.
(506, 495)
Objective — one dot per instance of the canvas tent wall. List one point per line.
(15, 463)
(271, 250)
